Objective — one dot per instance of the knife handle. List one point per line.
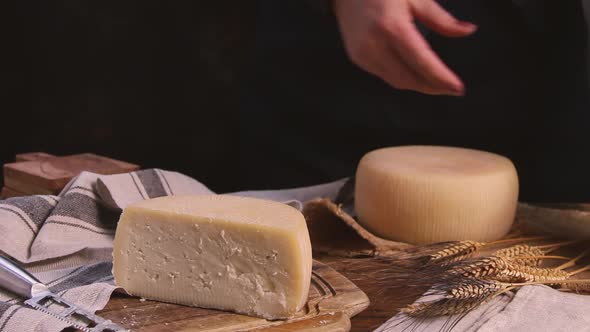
(16, 280)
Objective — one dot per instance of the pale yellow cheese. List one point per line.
(245, 255)
(425, 194)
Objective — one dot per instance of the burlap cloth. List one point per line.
(66, 242)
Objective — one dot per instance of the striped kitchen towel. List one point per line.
(66, 240)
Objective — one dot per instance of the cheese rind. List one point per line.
(425, 194)
(245, 255)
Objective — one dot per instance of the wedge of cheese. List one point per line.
(246, 255)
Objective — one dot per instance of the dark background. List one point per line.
(150, 82)
(242, 96)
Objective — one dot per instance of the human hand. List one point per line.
(380, 36)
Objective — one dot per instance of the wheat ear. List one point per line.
(457, 298)
(521, 273)
(455, 252)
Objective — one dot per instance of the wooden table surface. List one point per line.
(383, 303)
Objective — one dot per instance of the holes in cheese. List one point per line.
(245, 255)
(425, 194)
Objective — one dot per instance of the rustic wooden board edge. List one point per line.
(346, 290)
(336, 301)
(336, 322)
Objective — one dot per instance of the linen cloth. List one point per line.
(66, 242)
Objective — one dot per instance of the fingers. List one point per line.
(415, 52)
(390, 68)
(398, 74)
(384, 62)
(380, 36)
(432, 15)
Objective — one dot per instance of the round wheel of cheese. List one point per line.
(426, 194)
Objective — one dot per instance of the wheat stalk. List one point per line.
(516, 272)
(584, 288)
(460, 283)
(444, 253)
(577, 287)
(444, 307)
(457, 298)
(480, 290)
(521, 273)
(455, 251)
(479, 268)
(519, 250)
(490, 267)
(513, 264)
(465, 296)
(520, 254)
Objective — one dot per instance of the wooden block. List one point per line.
(29, 188)
(94, 163)
(32, 156)
(8, 192)
(50, 175)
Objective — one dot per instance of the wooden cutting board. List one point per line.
(333, 300)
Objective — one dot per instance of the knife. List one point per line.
(17, 280)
